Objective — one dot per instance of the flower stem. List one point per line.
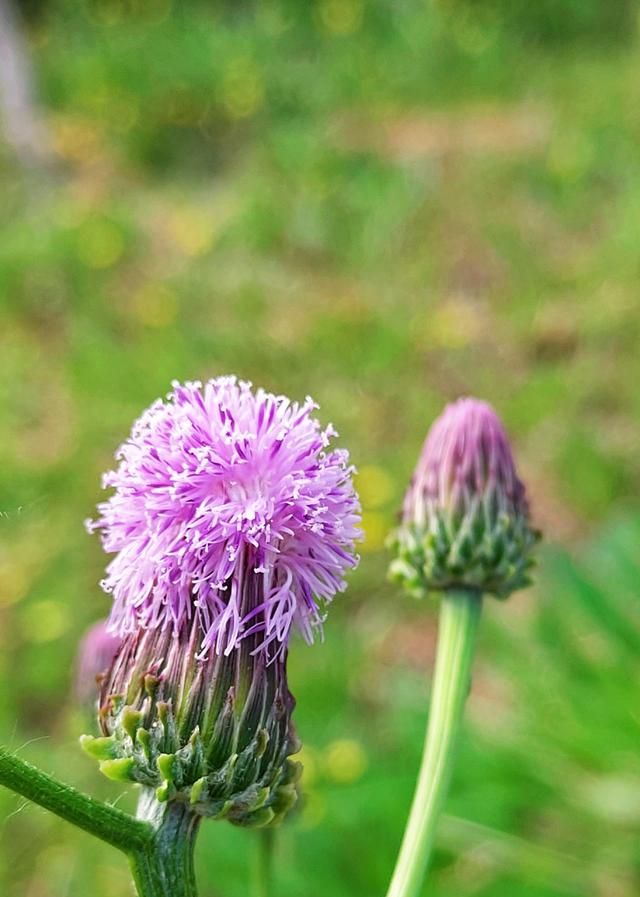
(164, 868)
(263, 863)
(459, 617)
(105, 822)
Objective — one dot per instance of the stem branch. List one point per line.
(105, 822)
(159, 843)
(459, 617)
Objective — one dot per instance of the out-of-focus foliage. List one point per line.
(386, 205)
(549, 24)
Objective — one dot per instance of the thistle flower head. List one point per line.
(216, 484)
(465, 519)
(231, 521)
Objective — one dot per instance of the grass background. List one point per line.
(385, 205)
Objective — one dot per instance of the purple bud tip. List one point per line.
(222, 492)
(465, 455)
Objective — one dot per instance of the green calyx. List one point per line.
(218, 737)
(486, 549)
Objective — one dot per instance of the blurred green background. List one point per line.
(386, 205)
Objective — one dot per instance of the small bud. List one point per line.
(465, 519)
(96, 651)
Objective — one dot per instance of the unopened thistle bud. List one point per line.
(465, 519)
(231, 524)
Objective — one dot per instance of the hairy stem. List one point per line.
(159, 843)
(105, 822)
(164, 868)
(459, 617)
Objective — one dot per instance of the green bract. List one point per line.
(214, 733)
(489, 553)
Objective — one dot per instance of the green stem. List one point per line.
(459, 617)
(159, 843)
(263, 863)
(105, 822)
(164, 868)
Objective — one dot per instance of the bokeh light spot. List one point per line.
(193, 231)
(308, 757)
(345, 760)
(455, 324)
(243, 90)
(375, 527)
(13, 584)
(375, 486)
(45, 621)
(314, 810)
(341, 16)
(75, 139)
(570, 157)
(155, 305)
(100, 244)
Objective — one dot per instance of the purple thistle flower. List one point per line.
(96, 651)
(465, 519)
(214, 487)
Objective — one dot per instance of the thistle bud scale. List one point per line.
(215, 733)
